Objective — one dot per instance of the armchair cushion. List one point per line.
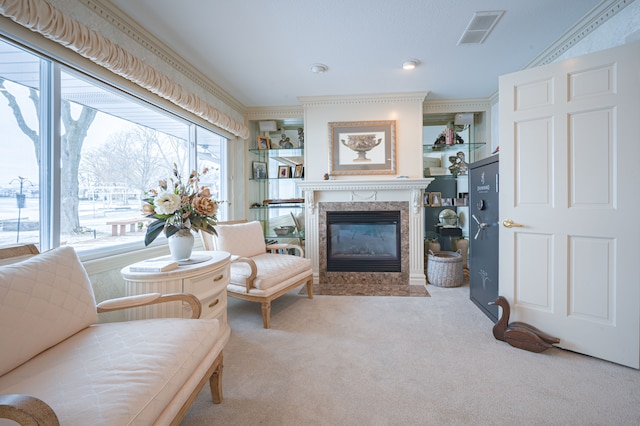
(46, 298)
(273, 269)
(241, 239)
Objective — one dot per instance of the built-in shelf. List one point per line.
(286, 152)
(281, 206)
(454, 147)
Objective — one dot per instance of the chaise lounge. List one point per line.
(59, 367)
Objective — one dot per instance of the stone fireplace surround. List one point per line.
(363, 282)
(405, 195)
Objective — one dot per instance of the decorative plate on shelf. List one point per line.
(448, 217)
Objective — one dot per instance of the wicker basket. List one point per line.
(444, 268)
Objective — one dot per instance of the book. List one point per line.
(160, 265)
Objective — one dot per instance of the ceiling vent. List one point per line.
(480, 26)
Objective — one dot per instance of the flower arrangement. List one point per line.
(179, 206)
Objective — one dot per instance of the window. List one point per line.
(112, 148)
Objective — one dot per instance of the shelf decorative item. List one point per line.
(458, 166)
(259, 170)
(263, 142)
(283, 230)
(284, 171)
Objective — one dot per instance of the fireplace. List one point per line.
(368, 279)
(367, 195)
(363, 241)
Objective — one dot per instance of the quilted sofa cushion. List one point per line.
(273, 269)
(241, 239)
(134, 372)
(43, 300)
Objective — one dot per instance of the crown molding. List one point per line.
(456, 105)
(599, 15)
(277, 112)
(119, 20)
(384, 98)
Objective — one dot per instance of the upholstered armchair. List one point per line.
(259, 273)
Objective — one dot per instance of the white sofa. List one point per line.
(136, 372)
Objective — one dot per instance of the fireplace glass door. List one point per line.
(363, 241)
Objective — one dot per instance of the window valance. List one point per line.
(41, 17)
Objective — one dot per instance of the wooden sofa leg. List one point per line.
(266, 314)
(215, 381)
(310, 288)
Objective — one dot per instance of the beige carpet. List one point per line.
(360, 360)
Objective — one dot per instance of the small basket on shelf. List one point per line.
(281, 231)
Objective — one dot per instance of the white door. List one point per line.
(570, 174)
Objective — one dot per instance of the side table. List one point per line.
(207, 280)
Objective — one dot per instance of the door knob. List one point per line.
(508, 223)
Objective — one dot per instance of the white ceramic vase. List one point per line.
(181, 244)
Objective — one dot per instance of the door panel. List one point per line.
(591, 290)
(569, 173)
(533, 147)
(538, 247)
(591, 168)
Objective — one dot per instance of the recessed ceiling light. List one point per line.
(410, 64)
(319, 68)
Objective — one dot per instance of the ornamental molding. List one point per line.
(282, 112)
(364, 185)
(389, 98)
(599, 15)
(147, 41)
(457, 105)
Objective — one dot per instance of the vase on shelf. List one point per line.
(463, 245)
(181, 244)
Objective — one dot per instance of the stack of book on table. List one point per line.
(154, 265)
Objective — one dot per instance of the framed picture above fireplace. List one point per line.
(362, 147)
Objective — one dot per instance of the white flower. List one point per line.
(167, 203)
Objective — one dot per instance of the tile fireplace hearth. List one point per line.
(401, 196)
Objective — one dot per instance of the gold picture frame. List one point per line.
(362, 147)
(435, 199)
(263, 142)
(298, 171)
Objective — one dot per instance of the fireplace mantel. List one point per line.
(374, 191)
(359, 185)
(415, 186)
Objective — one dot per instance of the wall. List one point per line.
(404, 108)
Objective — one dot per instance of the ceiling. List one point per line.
(261, 52)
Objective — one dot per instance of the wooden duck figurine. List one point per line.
(519, 334)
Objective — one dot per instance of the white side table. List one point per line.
(206, 280)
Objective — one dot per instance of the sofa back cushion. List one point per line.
(43, 300)
(241, 239)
